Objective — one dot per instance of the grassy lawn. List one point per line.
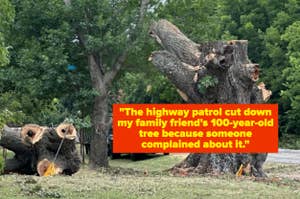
(147, 179)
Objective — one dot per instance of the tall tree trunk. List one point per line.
(233, 80)
(98, 153)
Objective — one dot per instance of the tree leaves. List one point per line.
(6, 17)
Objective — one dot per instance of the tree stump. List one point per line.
(211, 72)
(35, 148)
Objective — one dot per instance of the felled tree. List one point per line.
(212, 72)
(35, 147)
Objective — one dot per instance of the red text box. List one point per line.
(195, 128)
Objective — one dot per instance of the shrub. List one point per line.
(1, 164)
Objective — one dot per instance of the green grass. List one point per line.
(147, 179)
(153, 163)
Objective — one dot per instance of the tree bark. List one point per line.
(35, 148)
(24, 154)
(233, 76)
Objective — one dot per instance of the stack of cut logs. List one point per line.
(35, 147)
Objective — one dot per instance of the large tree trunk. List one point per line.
(35, 148)
(232, 79)
(98, 153)
(21, 162)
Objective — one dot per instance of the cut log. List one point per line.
(11, 139)
(24, 154)
(32, 133)
(67, 131)
(186, 64)
(44, 164)
(175, 42)
(35, 147)
(68, 160)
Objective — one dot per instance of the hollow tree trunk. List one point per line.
(233, 78)
(35, 148)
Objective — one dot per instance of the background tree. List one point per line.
(65, 58)
(202, 20)
(6, 17)
(263, 23)
(292, 74)
(134, 87)
(7, 107)
(106, 30)
(37, 77)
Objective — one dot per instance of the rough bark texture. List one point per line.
(21, 162)
(98, 155)
(35, 148)
(186, 63)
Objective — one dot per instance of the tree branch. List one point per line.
(174, 41)
(83, 42)
(143, 9)
(95, 63)
(96, 75)
(120, 60)
(181, 76)
(116, 68)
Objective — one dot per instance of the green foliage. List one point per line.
(290, 141)
(46, 37)
(6, 17)
(141, 88)
(292, 36)
(53, 113)
(265, 24)
(292, 74)
(79, 122)
(200, 20)
(206, 82)
(2, 164)
(10, 110)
